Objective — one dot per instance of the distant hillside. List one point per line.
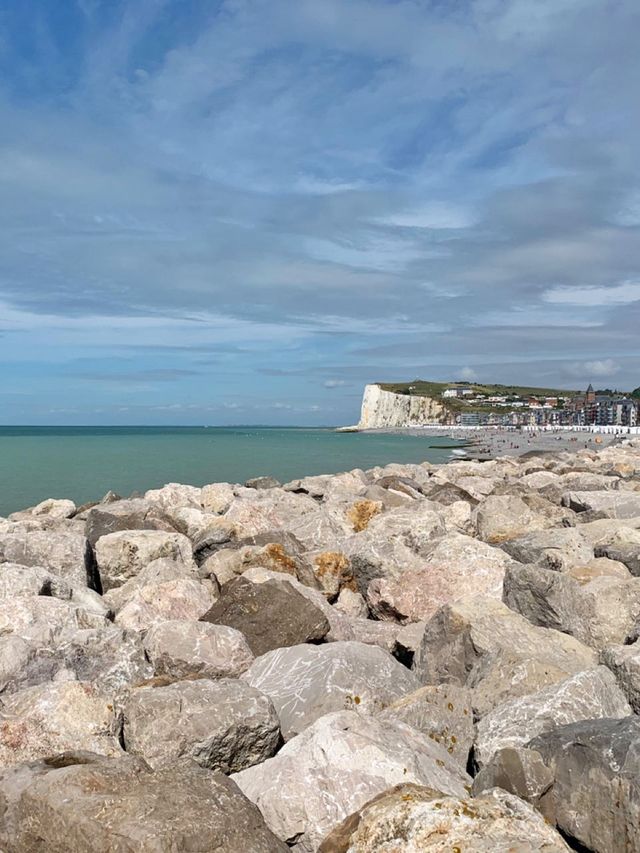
(423, 387)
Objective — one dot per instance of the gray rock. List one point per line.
(481, 644)
(555, 548)
(173, 495)
(270, 615)
(443, 713)
(61, 549)
(335, 767)
(592, 694)
(217, 497)
(516, 769)
(414, 818)
(624, 663)
(339, 624)
(107, 657)
(82, 802)
(31, 580)
(598, 613)
(51, 718)
(121, 556)
(305, 682)
(115, 516)
(502, 517)
(49, 508)
(612, 504)
(352, 604)
(183, 598)
(181, 649)
(595, 798)
(629, 555)
(222, 725)
(262, 483)
(158, 571)
(457, 566)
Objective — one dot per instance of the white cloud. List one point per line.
(335, 383)
(468, 373)
(593, 297)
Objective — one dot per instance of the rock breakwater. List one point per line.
(414, 657)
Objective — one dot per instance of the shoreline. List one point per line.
(486, 443)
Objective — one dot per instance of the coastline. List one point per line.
(485, 443)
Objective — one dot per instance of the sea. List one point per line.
(83, 463)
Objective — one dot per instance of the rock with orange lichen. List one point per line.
(417, 819)
(360, 514)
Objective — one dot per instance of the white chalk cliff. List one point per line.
(382, 409)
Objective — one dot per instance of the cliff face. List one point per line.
(385, 409)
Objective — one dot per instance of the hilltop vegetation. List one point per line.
(422, 387)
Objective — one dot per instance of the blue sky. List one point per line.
(242, 211)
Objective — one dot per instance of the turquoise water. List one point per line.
(82, 463)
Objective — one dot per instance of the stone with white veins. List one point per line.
(181, 648)
(592, 694)
(305, 682)
(223, 725)
(335, 767)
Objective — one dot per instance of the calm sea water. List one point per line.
(82, 463)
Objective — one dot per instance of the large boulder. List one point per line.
(481, 644)
(123, 555)
(417, 819)
(83, 802)
(180, 649)
(173, 495)
(222, 725)
(613, 504)
(157, 571)
(106, 656)
(49, 508)
(624, 663)
(132, 514)
(31, 580)
(51, 718)
(217, 497)
(457, 566)
(271, 615)
(595, 796)
(259, 511)
(599, 612)
(443, 712)
(502, 517)
(554, 548)
(337, 765)
(587, 695)
(62, 549)
(305, 682)
(183, 598)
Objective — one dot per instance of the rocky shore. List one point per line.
(410, 658)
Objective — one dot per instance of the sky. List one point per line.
(242, 211)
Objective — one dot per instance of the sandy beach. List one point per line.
(485, 443)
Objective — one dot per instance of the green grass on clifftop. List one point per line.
(424, 388)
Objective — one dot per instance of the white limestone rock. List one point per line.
(588, 695)
(305, 682)
(181, 649)
(122, 555)
(183, 598)
(335, 767)
(52, 718)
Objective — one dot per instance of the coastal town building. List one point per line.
(593, 408)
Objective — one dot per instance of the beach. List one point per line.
(484, 443)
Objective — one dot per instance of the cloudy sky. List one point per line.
(241, 211)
